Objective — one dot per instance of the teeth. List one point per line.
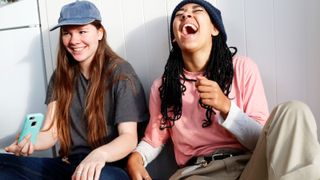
(77, 49)
(192, 26)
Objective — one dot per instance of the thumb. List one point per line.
(200, 77)
(11, 147)
(17, 136)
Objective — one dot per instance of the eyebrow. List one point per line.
(193, 7)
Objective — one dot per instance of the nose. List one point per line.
(186, 15)
(74, 39)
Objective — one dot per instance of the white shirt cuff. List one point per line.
(245, 129)
(148, 152)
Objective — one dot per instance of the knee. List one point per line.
(295, 106)
(294, 110)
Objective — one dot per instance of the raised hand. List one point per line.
(212, 95)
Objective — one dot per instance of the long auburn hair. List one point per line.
(219, 68)
(66, 73)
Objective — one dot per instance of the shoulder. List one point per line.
(120, 66)
(243, 61)
(119, 69)
(244, 65)
(157, 83)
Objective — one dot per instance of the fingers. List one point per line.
(90, 172)
(31, 149)
(212, 95)
(84, 174)
(12, 147)
(141, 177)
(146, 177)
(201, 80)
(136, 169)
(78, 173)
(17, 136)
(75, 175)
(25, 149)
(142, 174)
(98, 172)
(209, 91)
(24, 146)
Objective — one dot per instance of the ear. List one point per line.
(214, 31)
(100, 34)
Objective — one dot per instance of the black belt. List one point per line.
(218, 155)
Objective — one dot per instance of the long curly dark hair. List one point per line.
(219, 69)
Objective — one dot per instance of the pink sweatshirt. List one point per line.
(239, 130)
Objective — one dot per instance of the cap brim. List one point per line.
(67, 23)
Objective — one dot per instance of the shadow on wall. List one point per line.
(23, 82)
(147, 49)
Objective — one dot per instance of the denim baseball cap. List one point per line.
(78, 13)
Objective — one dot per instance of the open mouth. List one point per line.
(189, 29)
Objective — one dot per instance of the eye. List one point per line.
(179, 14)
(64, 33)
(83, 32)
(198, 10)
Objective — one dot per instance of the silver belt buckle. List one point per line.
(220, 154)
(201, 161)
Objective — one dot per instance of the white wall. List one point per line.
(283, 38)
(22, 75)
(280, 36)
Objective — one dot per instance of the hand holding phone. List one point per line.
(32, 124)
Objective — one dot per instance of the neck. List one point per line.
(196, 61)
(84, 68)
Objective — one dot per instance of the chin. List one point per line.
(189, 48)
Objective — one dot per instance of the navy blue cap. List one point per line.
(78, 13)
(214, 13)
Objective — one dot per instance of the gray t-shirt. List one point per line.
(124, 101)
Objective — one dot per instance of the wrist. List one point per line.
(136, 158)
(224, 113)
(103, 154)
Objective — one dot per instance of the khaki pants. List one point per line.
(287, 149)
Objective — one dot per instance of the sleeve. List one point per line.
(255, 103)
(153, 135)
(249, 112)
(147, 152)
(49, 95)
(130, 101)
(246, 130)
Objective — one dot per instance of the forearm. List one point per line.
(48, 136)
(119, 147)
(45, 140)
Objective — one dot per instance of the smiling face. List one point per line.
(81, 41)
(192, 28)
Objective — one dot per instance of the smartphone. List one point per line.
(32, 124)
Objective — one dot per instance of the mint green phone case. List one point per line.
(32, 124)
